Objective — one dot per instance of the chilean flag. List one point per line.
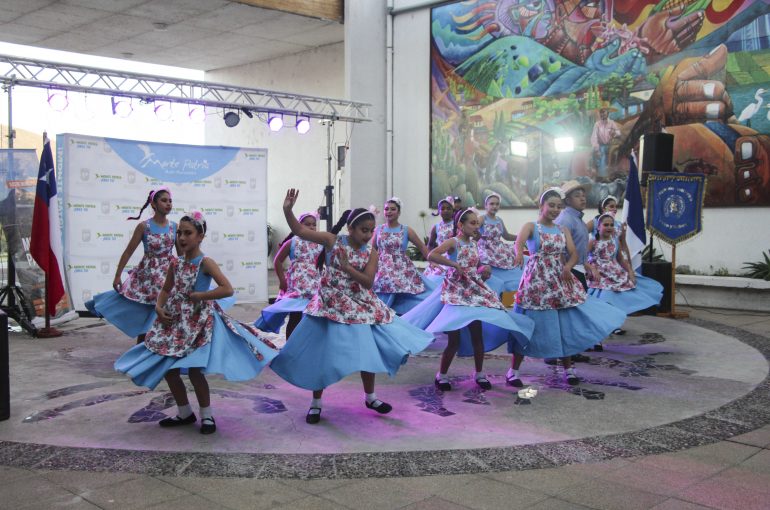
(45, 245)
(633, 215)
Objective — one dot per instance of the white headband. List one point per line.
(609, 197)
(492, 195)
(362, 213)
(556, 190)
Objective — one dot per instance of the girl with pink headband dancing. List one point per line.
(130, 306)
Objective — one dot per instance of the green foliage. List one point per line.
(413, 253)
(759, 270)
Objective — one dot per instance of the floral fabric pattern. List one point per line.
(612, 276)
(541, 287)
(443, 232)
(395, 271)
(302, 277)
(342, 299)
(146, 278)
(466, 287)
(493, 250)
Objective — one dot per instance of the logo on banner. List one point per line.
(81, 268)
(217, 182)
(105, 207)
(248, 211)
(85, 173)
(214, 236)
(232, 237)
(201, 183)
(131, 177)
(251, 236)
(232, 183)
(81, 207)
(675, 205)
(85, 235)
(86, 295)
(230, 210)
(126, 209)
(105, 267)
(229, 265)
(109, 236)
(252, 289)
(210, 211)
(250, 264)
(253, 183)
(108, 179)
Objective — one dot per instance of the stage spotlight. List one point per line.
(303, 125)
(162, 110)
(232, 119)
(121, 107)
(519, 148)
(275, 121)
(196, 112)
(564, 144)
(247, 112)
(58, 100)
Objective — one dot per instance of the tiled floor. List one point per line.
(731, 474)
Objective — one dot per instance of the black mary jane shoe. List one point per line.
(619, 331)
(208, 426)
(550, 361)
(313, 418)
(572, 380)
(484, 383)
(514, 381)
(382, 407)
(176, 421)
(580, 358)
(598, 348)
(442, 385)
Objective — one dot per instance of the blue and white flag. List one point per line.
(633, 215)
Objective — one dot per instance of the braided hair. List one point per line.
(152, 197)
(349, 217)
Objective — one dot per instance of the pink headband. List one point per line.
(307, 215)
(156, 191)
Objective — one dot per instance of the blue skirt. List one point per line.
(647, 293)
(273, 316)
(321, 351)
(510, 277)
(498, 327)
(227, 354)
(401, 303)
(131, 317)
(568, 331)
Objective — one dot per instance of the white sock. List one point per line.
(183, 411)
(512, 374)
(316, 402)
(206, 412)
(571, 371)
(480, 375)
(371, 397)
(442, 377)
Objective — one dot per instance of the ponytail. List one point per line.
(146, 203)
(286, 239)
(321, 260)
(351, 218)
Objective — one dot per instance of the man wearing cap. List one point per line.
(571, 218)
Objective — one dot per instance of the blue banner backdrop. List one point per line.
(675, 205)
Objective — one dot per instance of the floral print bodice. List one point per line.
(493, 250)
(466, 287)
(146, 278)
(193, 323)
(444, 230)
(302, 277)
(342, 299)
(612, 276)
(395, 271)
(541, 287)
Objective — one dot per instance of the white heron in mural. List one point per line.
(752, 109)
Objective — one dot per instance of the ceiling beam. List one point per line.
(331, 10)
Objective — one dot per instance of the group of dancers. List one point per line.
(355, 301)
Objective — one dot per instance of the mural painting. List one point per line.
(526, 94)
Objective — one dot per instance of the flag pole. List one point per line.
(47, 331)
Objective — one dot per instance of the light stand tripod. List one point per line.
(12, 299)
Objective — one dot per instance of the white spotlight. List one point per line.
(275, 121)
(519, 148)
(564, 144)
(122, 107)
(162, 110)
(58, 100)
(197, 113)
(303, 125)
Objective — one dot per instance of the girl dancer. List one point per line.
(397, 282)
(130, 307)
(566, 320)
(465, 306)
(610, 205)
(346, 328)
(439, 233)
(610, 276)
(191, 333)
(492, 250)
(298, 285)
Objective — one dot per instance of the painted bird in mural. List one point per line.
(752, 109)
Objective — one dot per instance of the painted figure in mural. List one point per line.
(604, 132)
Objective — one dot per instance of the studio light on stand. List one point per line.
(58, 100)
(232, 119)
(564, 144)
(275, 121)
(121, 107)
(303, 125)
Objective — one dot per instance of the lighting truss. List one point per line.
(16, 71)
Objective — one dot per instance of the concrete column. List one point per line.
(365, 177)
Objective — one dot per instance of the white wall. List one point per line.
(730, 236)
(293, 160)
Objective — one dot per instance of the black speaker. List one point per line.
(660, 271)
(342, 151)
(657, 151)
